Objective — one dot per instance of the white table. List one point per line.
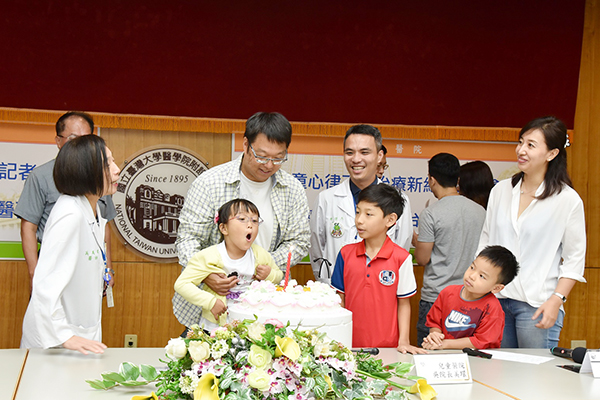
(61, 374)
(11, 364)
(543, 381)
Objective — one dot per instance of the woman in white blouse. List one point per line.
(539, 217)
(65, 309)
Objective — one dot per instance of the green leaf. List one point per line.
(413, 377)
(148, 372)
(129, 371)
(309, 383)
(109, 384)
(401, 369)
(378, 386)
(396, 395)
(96, 384)
(134, 383)
(113, 376)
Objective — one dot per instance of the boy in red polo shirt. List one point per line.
(375, 276)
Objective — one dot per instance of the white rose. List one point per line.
(176, 349)
(260, 380)
(322, 349)
(255, 330)
(199, 351)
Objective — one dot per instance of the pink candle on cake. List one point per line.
(288, 267)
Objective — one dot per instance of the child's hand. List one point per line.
(261, 273)
(407, 348)
(434, 341)
(218, 309)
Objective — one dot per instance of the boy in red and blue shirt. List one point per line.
(375, 276)
(470, 315)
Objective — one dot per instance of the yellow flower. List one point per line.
(425, 391)
(151, 397)
(259, 357)
(258, 379)
(288, 347)
(208, 388)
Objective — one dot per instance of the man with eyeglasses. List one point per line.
(256, 176)
(40, 194)
(382, 165)
(332, 221)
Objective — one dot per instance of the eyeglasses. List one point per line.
(384, 166)
(245, 220)
(264, 160)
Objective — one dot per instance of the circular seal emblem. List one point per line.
(387, 278)
(149, 197)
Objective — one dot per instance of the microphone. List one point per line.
(373, 350)
(577, 354)
(476, 353)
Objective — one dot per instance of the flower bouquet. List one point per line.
(250, 360)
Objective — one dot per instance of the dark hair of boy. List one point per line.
(368, 130)
(445, 168)
(61, 123)
(386, 197)
(235, 206)
(501, 257)
(273, 125)
(81, 167)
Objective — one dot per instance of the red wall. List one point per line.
(477, 63)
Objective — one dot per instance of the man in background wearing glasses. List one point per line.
(39, 193)
(256, 175)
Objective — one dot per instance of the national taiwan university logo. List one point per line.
(150, 194)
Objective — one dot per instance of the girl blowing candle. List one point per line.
(238, 222)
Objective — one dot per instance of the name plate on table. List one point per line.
(591, 363)
(443, 368)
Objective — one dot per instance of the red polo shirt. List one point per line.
(372, 289)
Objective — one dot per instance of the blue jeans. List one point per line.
(422, 329)
(520, 330)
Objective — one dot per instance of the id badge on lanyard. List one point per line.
(110, 301)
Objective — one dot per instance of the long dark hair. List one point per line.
(476, 182)
(555, 135)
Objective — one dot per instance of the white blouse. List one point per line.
(548, 239)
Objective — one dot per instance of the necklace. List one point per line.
(528, 191)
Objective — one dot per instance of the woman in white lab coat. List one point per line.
(66, 302)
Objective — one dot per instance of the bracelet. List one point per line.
(112, 271)
(560, 296)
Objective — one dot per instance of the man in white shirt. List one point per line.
(332, 222)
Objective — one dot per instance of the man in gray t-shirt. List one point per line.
(40, 194)
(449, 233)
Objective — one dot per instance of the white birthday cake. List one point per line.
(314, 306)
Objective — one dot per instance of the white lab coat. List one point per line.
(332, 226)
(67, 284)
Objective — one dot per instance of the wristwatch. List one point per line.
(560, 296)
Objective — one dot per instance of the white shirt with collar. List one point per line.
(332, 226)
(548, 239)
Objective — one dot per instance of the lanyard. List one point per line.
(105, 276)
